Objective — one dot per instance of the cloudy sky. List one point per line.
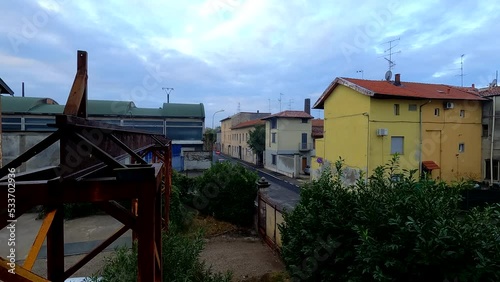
(241, 54)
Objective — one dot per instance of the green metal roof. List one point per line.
(23, 105)
(37, 105)
(184, 110)
(109, 108)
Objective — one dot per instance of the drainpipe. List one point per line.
(421, 135)
(367, 115)
(492, 140)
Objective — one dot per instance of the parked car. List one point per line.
(307, 170)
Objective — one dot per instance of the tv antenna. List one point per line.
(239, 107)
(279, 100)
(269, 100)
(462, 70)
(290, 102)
(390, 53)
(388, 75)
(167, 90)
(362, 73)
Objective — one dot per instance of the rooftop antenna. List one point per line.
(269, 105)
(362, 74)
(388, 75)
(239, 107)
(390, 53)
(168, 90)
(290, 102)
(279, 100)
(462, 70)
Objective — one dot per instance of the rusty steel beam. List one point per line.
(77, 100)
(131, 152)
(101, 154)
(94, 252)
(40, 238)
(55, 244)
(20, 274)
(119, 213)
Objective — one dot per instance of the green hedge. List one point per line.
(389, 229)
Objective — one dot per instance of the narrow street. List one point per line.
(288, 183)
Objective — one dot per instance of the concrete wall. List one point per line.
(197, 160)
(274, 217)
(14, 144)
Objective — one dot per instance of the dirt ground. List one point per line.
(245, 255)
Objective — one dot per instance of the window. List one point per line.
(436, 112)
(461, 147)
(412, 107)
(396, 109)
(485, 130)
(274, 123)
(488, 169)
(273, 137)
(397, 144)
(462, 113)
(304, 120)
(273, 159)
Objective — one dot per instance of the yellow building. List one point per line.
(434, 128)
(232, 140)
(240, 147)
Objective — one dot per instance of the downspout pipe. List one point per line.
(421, 136)
(492, 140)
(367, 115)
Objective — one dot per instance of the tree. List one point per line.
(389, 229)
(257, 141)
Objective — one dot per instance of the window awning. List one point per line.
(430, 165)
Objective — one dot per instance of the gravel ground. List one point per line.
(246, 256)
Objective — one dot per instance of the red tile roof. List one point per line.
(249, 123)
(490, 91)
(290, 114)
(318, 122)
(382, 88)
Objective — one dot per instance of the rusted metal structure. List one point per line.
(92, 170)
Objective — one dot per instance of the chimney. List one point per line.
(257, 111)
(307, 105)
(22, 89)
(473, 86)
(448, 90)
(397, 79)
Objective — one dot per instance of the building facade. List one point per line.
(491, 134)
(288, 142)
(229, 142)
(25, 121)
(239, 145)
(434, 128)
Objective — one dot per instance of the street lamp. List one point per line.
(213, 117)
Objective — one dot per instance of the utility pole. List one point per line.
(168, 90)
(390, 53)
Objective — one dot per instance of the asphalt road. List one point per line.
(275, 178)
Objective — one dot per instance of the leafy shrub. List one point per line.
(392, 228)
(180, 262)
(227, 192)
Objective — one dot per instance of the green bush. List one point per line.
(180, 262)
(227, 192)
(392, 228)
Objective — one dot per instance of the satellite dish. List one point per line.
(494, 82)
(388, 75)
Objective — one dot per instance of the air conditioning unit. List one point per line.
(448, 105)
(382, 132)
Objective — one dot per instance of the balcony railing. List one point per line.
(305, 146)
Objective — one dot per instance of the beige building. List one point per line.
(239, 145)
(228, 138)
(288, 142)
